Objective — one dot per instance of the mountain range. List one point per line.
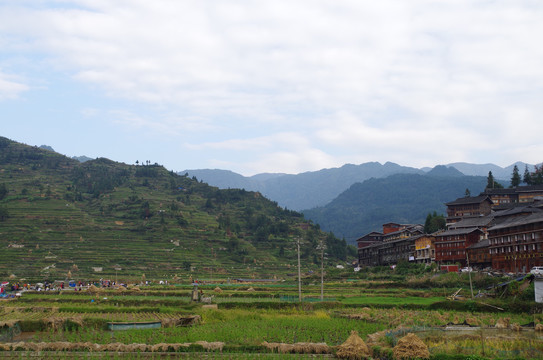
(400, 198)
(317, 188)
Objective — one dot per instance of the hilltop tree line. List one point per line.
(529, 178)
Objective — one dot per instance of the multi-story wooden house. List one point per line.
(369, 239)
(479, 255)
(396, 243)
(468, 207)
(451, 245)
(403, 232)
(516, 243)
(387, 253)
(519, 194)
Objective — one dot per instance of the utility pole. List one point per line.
(299, 272)
(322, 274)
(321, 247)
(469, 273)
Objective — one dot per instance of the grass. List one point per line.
(390, 300)
(244, 327)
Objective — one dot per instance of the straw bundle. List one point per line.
(299, 348)
(516, 327)
(211, 346)
(411, 347)
(93, 289)
(353, 348)
(502, 323)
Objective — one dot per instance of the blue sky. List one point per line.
(275, 86)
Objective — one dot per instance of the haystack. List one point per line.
(217, 290)
(502, 323)
(538, 327)
(300, 348)
(354, 348)
(516, 327)
(211, 346)
(250, 289)
(411, 347)
(93, 289)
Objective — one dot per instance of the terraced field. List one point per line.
(61, 219)
(265, 321)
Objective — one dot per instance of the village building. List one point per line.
(519, 194)
(516, 243)
(369, 255)
(369, 239)
(451, 245)
(479, 255)
(468, 207)
(404, 231)
(387, 253)
(395, 243)
(425, 251)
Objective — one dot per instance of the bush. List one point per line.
(32, 325)
(95, 323)
(70, 325)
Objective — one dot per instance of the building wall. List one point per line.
(425, 249)
(479, 257)
(517, 248)
(452, 249)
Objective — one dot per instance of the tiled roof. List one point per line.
(469, 200)
(461, 231)
(532, 188)
(479, 221)
(518, 220)
(481, 244)
(515, 210)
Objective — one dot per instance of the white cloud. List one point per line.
(422, 81)
(10, 88)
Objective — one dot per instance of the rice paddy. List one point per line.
(269, 322)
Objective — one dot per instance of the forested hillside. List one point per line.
(61, 218)
(402, 198)
(305, 190)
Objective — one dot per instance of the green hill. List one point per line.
(60, 217)
(402, 198)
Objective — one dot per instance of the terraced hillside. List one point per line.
(63, 219)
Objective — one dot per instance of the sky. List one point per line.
(283, 86)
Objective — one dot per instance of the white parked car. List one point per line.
(537, 270)
(466, 269)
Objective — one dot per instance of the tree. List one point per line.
(537, 175)
(492, 183)
(4, 214)
(515, 177)
(434, 222)
(467, 193)
(527, 179)
(3, 191)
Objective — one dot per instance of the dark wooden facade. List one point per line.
(387, 252)
(369, 239)
(468, 207)
(479, 255)
(520, 194)
(516, 244)
(451, 245)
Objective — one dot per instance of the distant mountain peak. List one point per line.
(442, 170)
(47, 147)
